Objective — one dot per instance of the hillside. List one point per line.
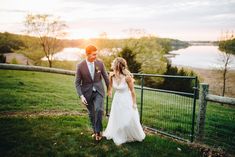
(41, 114)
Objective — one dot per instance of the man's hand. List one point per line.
(110, 94)
(84, 100)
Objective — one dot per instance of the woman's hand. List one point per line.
(134, 106)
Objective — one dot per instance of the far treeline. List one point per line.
(143, 55)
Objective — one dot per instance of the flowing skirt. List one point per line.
(124, 122)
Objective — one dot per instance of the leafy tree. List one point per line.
(130, 57)
(227, 46)
(48, 29)
(2, 58)
(32, 50)
(9, 43)
(178, 84)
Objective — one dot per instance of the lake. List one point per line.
(69, 54)
(206, 57)
(77, 54)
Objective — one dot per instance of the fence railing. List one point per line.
(216, 121)
(166, 111)
(169, 112)
(35, 68)
(173, 112)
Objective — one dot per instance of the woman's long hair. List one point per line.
(119, 64)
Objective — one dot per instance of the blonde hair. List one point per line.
(119, 64)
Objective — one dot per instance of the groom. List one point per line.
(90, 88)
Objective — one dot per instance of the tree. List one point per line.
(2, 58)
(32, 50)
(48, 29)
(10, 43)
(178, 84)
(129, 56)
(227, 46)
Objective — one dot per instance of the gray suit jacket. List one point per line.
(84, 83)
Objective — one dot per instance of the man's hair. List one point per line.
(90, 49)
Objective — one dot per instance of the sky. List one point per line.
(177, 19)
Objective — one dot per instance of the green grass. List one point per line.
(220, 127)
(172, 114)
(32, 91)
(70, 136)
(30, 134)
(23, 92)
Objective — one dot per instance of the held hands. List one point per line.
(109, 94)
(84, 100)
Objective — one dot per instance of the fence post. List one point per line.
(195, 88)
(141, 99)
(202, 111)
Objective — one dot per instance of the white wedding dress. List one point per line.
(124, 122)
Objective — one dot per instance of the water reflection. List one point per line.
(68, 54)
(77, 54)
(206, 57)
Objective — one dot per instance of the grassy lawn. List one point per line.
(70, 136)
(55, 134)
(172, 114)
(32, 91)
(60, 135)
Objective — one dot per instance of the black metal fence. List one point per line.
(166, 111)
(220, 127)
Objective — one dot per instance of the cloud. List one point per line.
(155, 16)
(12, 11)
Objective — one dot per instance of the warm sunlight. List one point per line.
(95, 77)
(83, 33)
(114, 17)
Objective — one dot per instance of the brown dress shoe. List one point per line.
(98, 137)
(93, 135)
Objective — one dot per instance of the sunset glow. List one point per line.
(88, 19)
(82, 34)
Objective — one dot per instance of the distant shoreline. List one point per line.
(214, 78)
(198, 69)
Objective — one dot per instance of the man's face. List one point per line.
(92, 57)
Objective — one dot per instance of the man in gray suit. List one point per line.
(90, 88)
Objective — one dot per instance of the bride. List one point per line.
(124, 124)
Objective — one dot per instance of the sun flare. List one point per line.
(84, 33)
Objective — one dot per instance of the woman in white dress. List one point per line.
(124, 123)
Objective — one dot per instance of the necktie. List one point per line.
(92, 74)
(92, 71)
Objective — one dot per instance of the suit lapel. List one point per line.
(87, 69)
(95, 65)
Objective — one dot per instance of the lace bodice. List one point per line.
(120, 85)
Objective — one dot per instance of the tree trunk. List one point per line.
(224, 81)
(50, 63)
(225, 70)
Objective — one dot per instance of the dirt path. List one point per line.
(19, 58)
(40, 113)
